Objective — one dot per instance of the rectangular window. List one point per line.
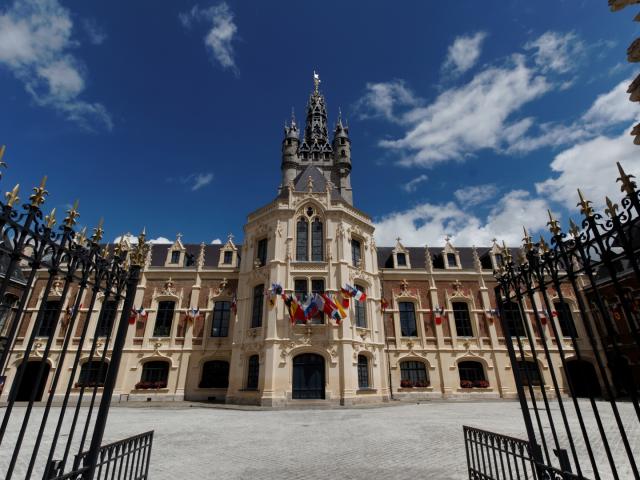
(401, 259)
(262, 252)
(361, 311)
(228, 258)
(253, 372)
(451, 260)
(300, 287)
(164, 319)
(463, 319)
(256, 312)
(175, 256)
(355, 252)
(317, 241)
(107, 318)
(363, 372)
(565, 319)
(317, 286)
(220, 322)
(50, 317)
(408, 319)
(498, 258)
(302, 240)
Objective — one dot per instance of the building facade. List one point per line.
(427, 328)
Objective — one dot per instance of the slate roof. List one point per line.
(319, 183)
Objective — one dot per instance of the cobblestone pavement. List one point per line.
(402, 441)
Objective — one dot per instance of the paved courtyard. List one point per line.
(401, 441)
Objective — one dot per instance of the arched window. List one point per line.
(220, 322)
(107, 318)
(317, 241)
(363, 371)
(155, 374)
(92, 374)
(462, 318)
(529, 373)
(164, 318)
(302, 240)
(256, 311)
(253, 372)
(408, 325)
(513, 319)
(215, 374)
(565, 319)
(471, 374)
(50, 316)
(413, 374)
(361, 311)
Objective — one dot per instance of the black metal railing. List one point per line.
(491, 456)
(570, 314)
(55, 277)
(126, 459)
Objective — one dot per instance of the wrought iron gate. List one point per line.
(51, 279)
(582, 294)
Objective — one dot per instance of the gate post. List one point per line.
(91, 459)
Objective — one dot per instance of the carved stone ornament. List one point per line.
(169, 288)
(219, 290)
(56, 287)
(458, 291)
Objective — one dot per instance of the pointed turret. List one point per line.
(342, 152)
(290, 159)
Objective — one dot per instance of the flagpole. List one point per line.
(386, 339)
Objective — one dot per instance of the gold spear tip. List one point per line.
(3, 148)
(43, 182)
(51, 218)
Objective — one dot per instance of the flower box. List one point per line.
(150, 385)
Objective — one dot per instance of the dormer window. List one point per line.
(451, 260)
(175, 257)
(342, 141)
(499, 260)
(228, 258)
(401, 259)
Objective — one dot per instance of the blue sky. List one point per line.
(468, 121)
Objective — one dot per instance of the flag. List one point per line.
(345, 298)
(543, 317)
(331, 308)
(234, 304)
(133, 316)
(310, 307)
(343, 312)
(273, 292)
(384, 304)
(71, 310)
(142, 312)
(193, 313)
(351, 291)
(295, 310)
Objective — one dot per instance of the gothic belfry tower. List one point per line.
(309, 241)
(315, 151)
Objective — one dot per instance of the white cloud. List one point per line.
(35, 45)
(221, 34)
(463, 53)
(381, 99)
(429, 223)
(216, 241)
(591, 166)
(612, 107)
(200, 180)
(194, 181)
(412, 185)
(557, 52)
(133, 239)
(472, 117)
(475, 194)
(95, 33)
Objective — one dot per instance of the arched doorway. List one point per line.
(583, 378)
(28, 383)
(308, 376)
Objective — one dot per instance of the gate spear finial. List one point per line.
(12, 196)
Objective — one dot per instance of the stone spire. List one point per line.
(315, 144)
